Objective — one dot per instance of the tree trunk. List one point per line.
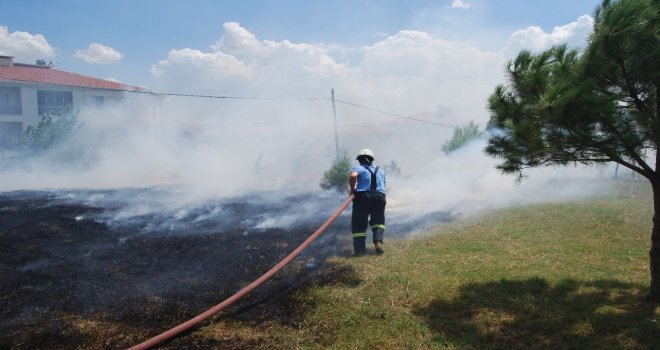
(654, 252)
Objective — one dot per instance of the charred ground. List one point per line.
(69, 265)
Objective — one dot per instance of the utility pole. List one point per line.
(334, 113)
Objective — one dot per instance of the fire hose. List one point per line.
(243, 292)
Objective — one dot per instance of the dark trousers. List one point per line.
(368, 210)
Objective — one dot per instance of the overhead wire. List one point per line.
(392, 114)
(306, 99)
(243, 97)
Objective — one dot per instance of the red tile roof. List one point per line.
(44, 75)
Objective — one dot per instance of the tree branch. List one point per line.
(641, 106)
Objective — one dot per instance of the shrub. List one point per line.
(51, 128)
(392, 169)
(336, 178)
(462, 135)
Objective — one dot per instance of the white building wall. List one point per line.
(29, 106)
(80, 97)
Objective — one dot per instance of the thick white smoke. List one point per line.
(255, 151)
(206, 149)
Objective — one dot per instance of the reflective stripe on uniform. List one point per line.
(378, 226)
(359, 234)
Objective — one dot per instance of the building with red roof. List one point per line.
(28, 91)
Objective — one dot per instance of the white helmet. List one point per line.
(366, 153)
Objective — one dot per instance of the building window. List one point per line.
(96, 101)
(10, 134)
(10, 100)
(54, 102)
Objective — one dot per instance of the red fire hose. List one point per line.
(247, 289)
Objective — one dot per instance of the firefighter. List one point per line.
(367, 183)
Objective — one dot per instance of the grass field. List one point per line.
(552, 276)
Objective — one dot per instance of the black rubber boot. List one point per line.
(378, 232)
(359, 245)
(379, 247)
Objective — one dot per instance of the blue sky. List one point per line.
(145, 31)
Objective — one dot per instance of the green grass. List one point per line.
(553, 276)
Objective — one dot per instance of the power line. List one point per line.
(393, 114)
(303, 99)
(242, 97)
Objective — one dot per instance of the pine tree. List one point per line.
(562, 106)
